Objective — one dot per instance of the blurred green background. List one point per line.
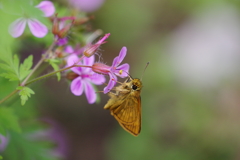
(191, 93)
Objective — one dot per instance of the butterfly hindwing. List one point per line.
(128, 114)
(125, 105)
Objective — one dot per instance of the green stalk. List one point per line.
(39, 63)
(52, 73)
(8, 96)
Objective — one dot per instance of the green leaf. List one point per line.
(10, 65)
(6, 55)
(10, 76)
(1, 157)
(53, 63)
(25, 67)
(12, 70)
(15, 64)
(27, 146)
(56, 68)
(25, 93)
(8, 121)
(5, 67)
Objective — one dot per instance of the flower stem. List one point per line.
(52, 73)
(8, 96)
(39, 63)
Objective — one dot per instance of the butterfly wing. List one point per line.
(128, 114)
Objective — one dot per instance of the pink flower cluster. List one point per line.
(85, 72)
(91, 73)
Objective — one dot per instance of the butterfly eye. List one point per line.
(134, 87)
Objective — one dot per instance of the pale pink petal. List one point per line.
(77, 86)
(71, 60)
(37, 28)
(86, 5)
(3, 142)
(97, 79)
(117, 60)
(88, 61)
(111, 83)
(17, 27)
(122, 54)
(125, 69)
(90, 93)
(47, 7)
(69, 49)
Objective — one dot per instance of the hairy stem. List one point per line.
(8, 96)
(39, 63)
(52, 73)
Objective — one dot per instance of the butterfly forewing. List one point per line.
(132, 126)
(127, 112)
(125, 106)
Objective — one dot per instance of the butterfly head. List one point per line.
(136, 84)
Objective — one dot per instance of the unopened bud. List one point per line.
(63, 32)
(101, 68)
(91, 49)
(55, 28)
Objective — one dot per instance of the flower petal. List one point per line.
(125, 70)
(117, 60)
(88, 61)
(90, 93)
(86, 5)
(37, 28)
(62, 41)
(17, 27)
(71, 60)
(47, 7)
(111, 83)
(122, 54)
(77, 86)
(97, 79)
(68, 49)
(3, 142)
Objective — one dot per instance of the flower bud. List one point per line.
(63, 32)
(91, 49)
(55, 28)
(101, 68)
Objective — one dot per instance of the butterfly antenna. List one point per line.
(144, 70)
(128, 74)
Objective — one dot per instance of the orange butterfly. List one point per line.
(125, 105)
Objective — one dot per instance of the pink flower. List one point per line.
(78, 50)
(85, 78)
(86, 5)
(36, 27)
(114, 70)
(3, 142)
